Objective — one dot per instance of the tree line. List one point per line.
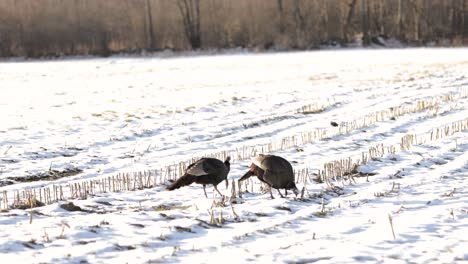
(34, 28)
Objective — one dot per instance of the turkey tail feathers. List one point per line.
(182, 181)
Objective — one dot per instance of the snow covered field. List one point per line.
(102, 117)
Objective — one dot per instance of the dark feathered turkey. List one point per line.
(275, 171)
(204, 171)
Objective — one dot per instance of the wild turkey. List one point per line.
(204, 171)
(275, 171)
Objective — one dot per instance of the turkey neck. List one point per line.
(228, 165)
(257, 171)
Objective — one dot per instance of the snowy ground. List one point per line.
(115, 115)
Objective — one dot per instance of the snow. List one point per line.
(131, 114)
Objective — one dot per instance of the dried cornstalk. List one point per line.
(390, 219)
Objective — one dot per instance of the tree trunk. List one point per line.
(281, 25)
(464, 27)
(149, 26)
(349, 18)
(399, 19)
(74, 48)
(417, 18)
(190, 12)
(365, 23)
(381, 18)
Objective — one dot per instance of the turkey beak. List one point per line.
(246, 175)
(295, 191)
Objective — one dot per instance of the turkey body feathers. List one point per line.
(275, 171)
(204, 171)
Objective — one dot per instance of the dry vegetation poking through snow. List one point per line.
(378, 140)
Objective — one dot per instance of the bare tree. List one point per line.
(365, 22)
(149, 25)
(464, 27)
(30, 29)
(280, 6)
(417, 10)
(349, 18)
(190, 12)
(399, 19)
(299, 17)
(464, 9)
(458, 10)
